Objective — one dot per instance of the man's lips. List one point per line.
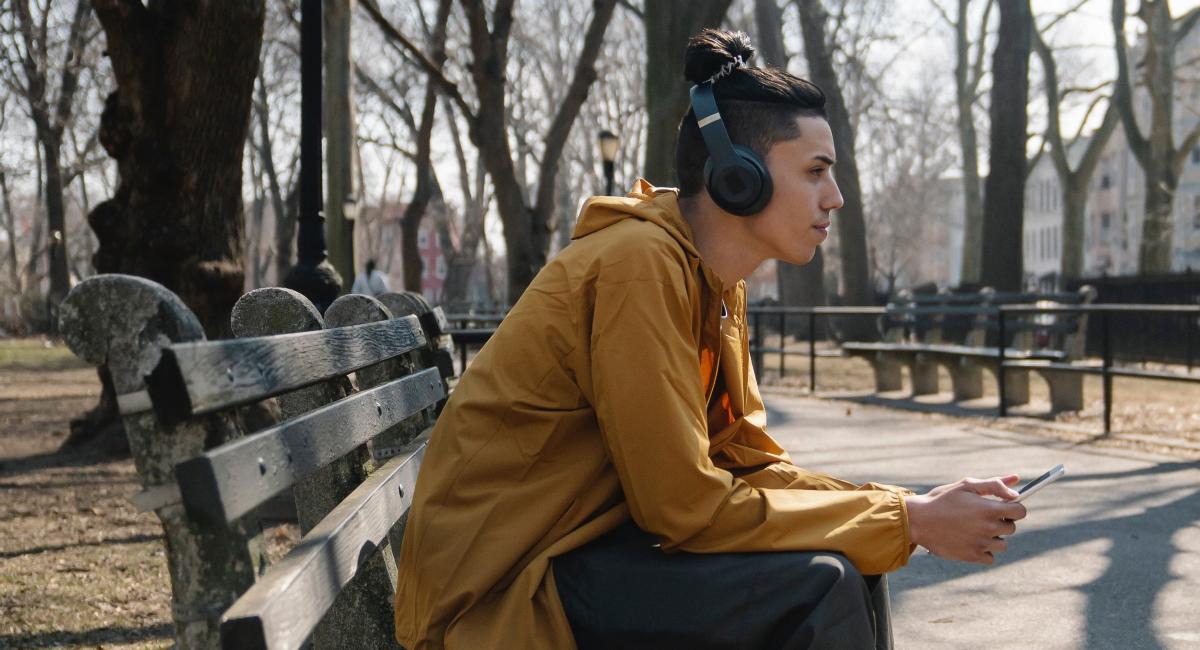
(823, 227)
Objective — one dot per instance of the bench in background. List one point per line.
(915, 327)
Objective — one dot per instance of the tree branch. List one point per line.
(405, 46)
(1185, 147)
(70, 76)
(560, 127)
(628, 6)
(977, 69)
(1185, 24)
(1123, 92)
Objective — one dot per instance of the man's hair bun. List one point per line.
(711, 49)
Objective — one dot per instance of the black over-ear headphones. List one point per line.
(736, 178)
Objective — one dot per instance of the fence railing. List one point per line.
(759, 316)
(471, 331)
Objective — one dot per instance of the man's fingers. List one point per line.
(997, 487)
(1012, 511)
(998, 545)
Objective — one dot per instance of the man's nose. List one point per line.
(832, 200)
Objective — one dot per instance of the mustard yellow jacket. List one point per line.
(612, 389)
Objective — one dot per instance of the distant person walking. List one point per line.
(371, 282)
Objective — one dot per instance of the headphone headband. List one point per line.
(712, 126)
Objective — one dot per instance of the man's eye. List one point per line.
(817, 171)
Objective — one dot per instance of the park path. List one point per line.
(1109, 557)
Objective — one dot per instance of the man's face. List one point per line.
(796, 220)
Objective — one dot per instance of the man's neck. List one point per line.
(722, 239)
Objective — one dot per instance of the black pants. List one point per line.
(620, 591)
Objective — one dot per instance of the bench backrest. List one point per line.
(971, 319)
(353, 392)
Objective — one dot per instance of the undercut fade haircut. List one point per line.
(759, 106)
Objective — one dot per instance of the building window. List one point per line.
(1105, 181)
(441, 268)
(1105, 220)
(1196, 212)
(422, 239)
(1196, 155)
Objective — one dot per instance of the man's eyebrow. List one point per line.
(825, 159)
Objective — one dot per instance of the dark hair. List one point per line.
(759, 106)
(370, 266)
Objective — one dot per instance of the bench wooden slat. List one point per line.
(198, 378)
(281, 610)
(227, 482)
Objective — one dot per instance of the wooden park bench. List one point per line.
(915, 328)
(354, 391)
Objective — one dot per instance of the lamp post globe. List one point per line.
(609, 142)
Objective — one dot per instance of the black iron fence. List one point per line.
(1115, 353)
(1111, 333)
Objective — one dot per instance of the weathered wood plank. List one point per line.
(225, 483)
(283, 608)
(198, 378)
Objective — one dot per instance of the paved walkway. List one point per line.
(1109, 557)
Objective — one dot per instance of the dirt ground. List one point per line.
(81, 568)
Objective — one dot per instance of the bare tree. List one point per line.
(1004, 194)
(968, 72)
(1160, 158)
(527, 222)
(51, 110)
(1072, 182)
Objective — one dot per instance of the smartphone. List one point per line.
(1040, 482)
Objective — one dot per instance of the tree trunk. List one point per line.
(1004, 195)
(266, 153)
(1160, 159)
(178, 140)
(341, 197)
(852, 233)
(799, 286)
(10, 224)
(965, 86)
(410, 223)
(669, 25)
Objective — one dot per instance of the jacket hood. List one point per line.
(658, 205)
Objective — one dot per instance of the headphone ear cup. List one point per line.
(743, 188)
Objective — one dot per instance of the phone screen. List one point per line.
(1041, 481)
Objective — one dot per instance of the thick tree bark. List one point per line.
(1160, 159)
(799, 286)
(669, 25)
(1004, 194)
(852, 234)
(176, 125)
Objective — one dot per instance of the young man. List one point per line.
(602, 476)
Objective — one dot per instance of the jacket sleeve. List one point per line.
(650, 407)
(785, 474)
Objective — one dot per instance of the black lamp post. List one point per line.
(312, 275)
(608, 152)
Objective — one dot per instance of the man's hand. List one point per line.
(958, 522)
